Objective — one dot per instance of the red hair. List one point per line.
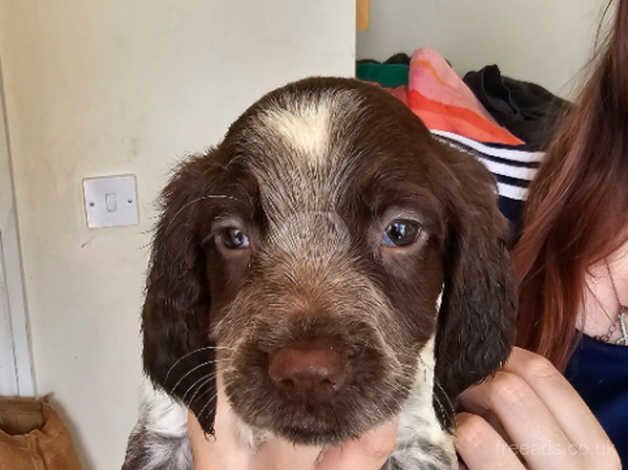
(577, 207)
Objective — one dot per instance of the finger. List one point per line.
(568, 408)
(369, 452)
(525, 418)
(481, 447)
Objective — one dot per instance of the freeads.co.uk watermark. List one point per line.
(553, 449)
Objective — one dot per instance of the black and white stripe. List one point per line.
(513, 167)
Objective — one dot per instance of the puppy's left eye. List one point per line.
(400, 233)
(234, 239)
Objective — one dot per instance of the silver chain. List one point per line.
(622, 316)
(623, 319)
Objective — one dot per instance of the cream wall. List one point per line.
(545, 41)
(105, 87)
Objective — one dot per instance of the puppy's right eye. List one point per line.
(400, 233)
(233, 238)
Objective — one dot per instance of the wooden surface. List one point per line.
(362, 14)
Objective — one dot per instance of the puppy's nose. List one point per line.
(311, 373)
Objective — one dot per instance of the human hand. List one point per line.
(529, 416)
(226, 451)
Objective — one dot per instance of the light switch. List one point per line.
(110, 201)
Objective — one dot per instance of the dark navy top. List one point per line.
(599, 372)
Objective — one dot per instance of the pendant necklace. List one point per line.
(622, 317)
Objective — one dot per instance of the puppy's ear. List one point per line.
(476, 324)
(177, 354)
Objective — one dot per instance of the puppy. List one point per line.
(334, 266)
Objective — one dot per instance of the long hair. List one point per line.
(577, 208)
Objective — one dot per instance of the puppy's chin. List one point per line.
(347, 416)
(319, 427)
(318, 437)
(313, 429)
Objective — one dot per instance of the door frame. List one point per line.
(22, 383)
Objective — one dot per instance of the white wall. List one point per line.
(104, 87)
(545, 41)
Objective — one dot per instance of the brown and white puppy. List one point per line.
(303, 262)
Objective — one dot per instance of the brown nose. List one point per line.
(310, 373)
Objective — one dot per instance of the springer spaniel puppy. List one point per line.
(330, 265)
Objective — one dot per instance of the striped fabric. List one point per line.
(450, 110)
(513, 167)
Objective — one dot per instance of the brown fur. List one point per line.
(315, 211)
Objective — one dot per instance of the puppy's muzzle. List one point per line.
(310, 373)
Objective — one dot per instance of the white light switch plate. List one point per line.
(110, 201)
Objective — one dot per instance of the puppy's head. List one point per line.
(302, 261)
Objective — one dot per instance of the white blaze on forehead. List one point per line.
(304, 127)
(301, 161)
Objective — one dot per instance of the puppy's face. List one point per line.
(326, 262)
(309, 251)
